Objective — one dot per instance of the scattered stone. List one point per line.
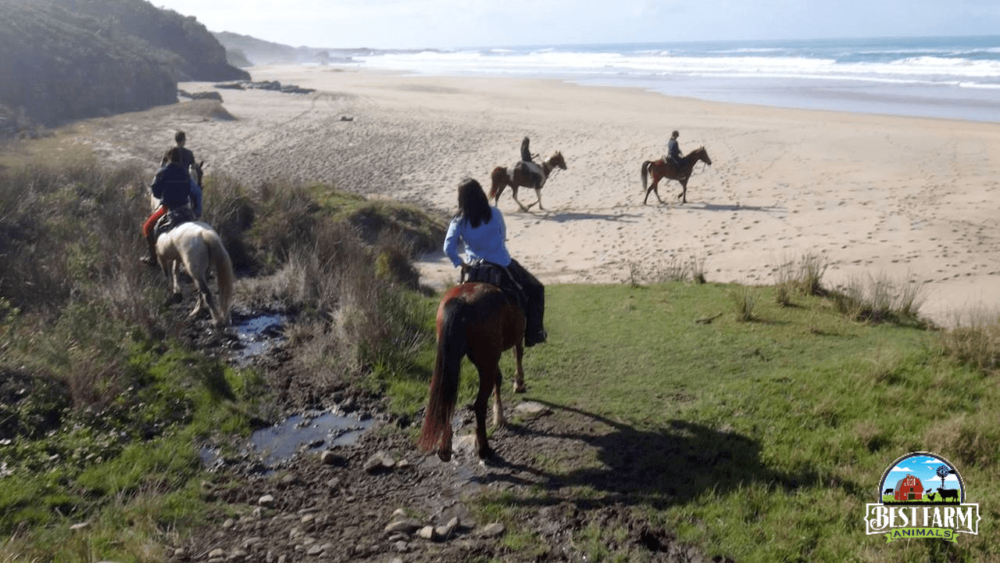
(492, 530)
(228, 524)
(407, 526)
(445, 532)
(80, 526)
(333, 483)
(180, 553)
(427, 533)
(399, 513)
(378, 462)
(330, 458)
(217, 554)
(267, 501)
(346, 118)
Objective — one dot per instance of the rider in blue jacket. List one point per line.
(482, 229)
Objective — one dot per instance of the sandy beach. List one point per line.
(908, 198)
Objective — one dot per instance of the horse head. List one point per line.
(557, 160)
(702, 155)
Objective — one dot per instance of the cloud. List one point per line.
(901, 468)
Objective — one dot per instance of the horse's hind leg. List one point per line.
(499, 420)
(519, 386)
(684, 191)
(654, 188)
(517, 201)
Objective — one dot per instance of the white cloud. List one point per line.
(901, 468)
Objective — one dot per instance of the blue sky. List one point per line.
(924, 469)
(390, 24)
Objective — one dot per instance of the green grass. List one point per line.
(761, 440)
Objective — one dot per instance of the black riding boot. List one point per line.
(534, 333)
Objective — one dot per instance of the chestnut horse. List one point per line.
(481, 321)
(524, 174)
(660, 170)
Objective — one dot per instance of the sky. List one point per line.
(447, 24)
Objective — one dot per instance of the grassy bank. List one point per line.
(757, 441)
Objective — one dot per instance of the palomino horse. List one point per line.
(481, 321)
(524, 174)
(661, 170)
(199, 248)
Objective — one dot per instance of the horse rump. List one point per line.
(499, 182)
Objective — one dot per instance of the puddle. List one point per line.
(312, 432)
(257, 335)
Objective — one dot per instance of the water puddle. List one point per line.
(307, 433)
(257, 335)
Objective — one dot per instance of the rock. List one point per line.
(427, 533)
(217, 554)
(180, 553)
(492, 530)
(206, 96)
(80, 526)
(330, 458)
(445, 532)
(407, 526)
(228, 524)
(267, 501)
(378, 462)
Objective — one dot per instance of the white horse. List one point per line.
(199, 248)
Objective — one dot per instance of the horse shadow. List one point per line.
(672, 465)
(567, 217)
(716, 207)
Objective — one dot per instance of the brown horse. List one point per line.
(524, 174)
(660, 170)
(481, 321)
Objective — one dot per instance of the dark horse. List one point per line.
(661, 170)
(481, 321)
(524, 174)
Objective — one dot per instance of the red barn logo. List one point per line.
(909, 488)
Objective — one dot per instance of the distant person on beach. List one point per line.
(482, 229)
(175, 189)
(525, 153)
(673, 151)
(187, 157)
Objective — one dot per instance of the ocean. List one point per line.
(940, 77)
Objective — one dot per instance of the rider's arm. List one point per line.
(451, 242)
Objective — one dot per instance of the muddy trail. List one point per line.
(337, 479)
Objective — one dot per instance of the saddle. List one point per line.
(172, 219)
(487, 272)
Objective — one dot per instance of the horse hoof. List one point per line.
(444, 456)
(522, 388)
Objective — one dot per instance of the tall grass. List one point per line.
(879, 298)
(87, 353)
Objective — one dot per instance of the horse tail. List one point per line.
(499, 178)
(224, 270)
(451, 348)
(645, 173)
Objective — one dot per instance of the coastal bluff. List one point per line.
(72, 59)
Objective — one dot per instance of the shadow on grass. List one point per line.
(670, 466)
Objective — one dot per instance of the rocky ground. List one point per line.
(382, 500)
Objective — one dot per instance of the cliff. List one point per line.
(69, 59)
